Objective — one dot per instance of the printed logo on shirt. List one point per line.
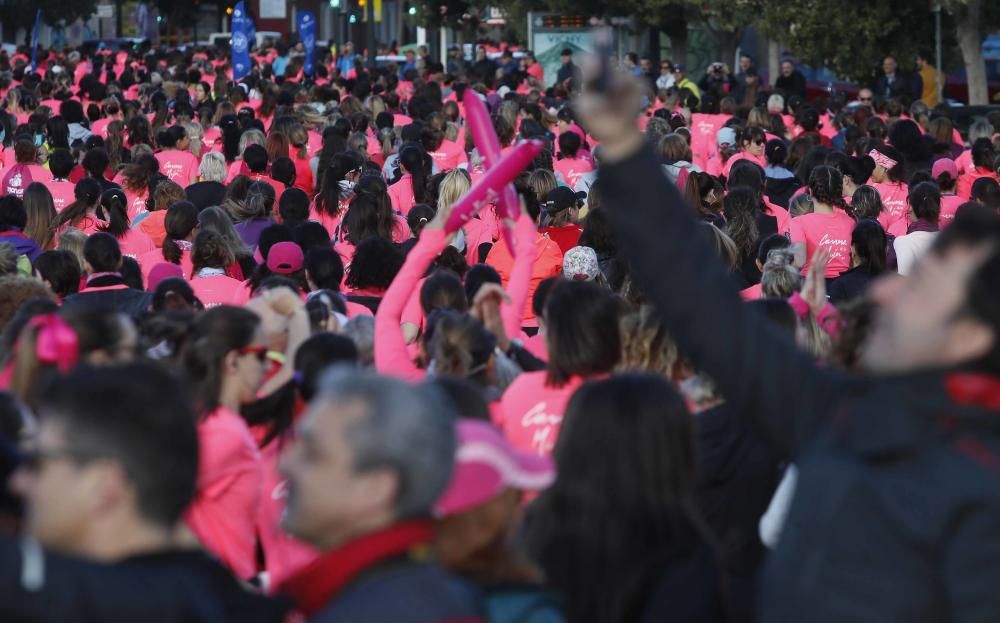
(545, 425)
(839, 248)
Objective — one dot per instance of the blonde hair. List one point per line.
(72, 240)
(542, 182)
(195, 135)
(252, 137)
(646, 345)
(780, 276)
(213, 167)
(167, 194)
(454, 186)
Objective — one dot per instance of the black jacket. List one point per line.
(206, 194)
(896, 516)
(737, 476)
(110, 294)
(794, 84)
(904, 85)
(851, 284)
(167, 587)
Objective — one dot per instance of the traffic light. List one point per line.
(334, 4)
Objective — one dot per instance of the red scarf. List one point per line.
(315, 586)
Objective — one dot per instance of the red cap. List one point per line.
(285, 258)
(161, 272)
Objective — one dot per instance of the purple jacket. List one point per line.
(23, 244)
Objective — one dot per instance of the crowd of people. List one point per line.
(730, 354)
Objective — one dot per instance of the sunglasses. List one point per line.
(864, 99)
(258, 351)
(759, 141)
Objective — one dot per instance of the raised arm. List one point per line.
(756, 367)
(520, 275)
(391, 355)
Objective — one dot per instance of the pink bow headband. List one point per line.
(882, 160)
(57, 342)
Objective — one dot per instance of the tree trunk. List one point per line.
(773, 60)
(970, 42)
(676, 28)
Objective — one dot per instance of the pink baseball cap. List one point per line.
(485, 465)
(285, 258)
(161, 272)
(944, 165)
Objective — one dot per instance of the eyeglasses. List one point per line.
(258, 351)
(758, 141)
(864, 99)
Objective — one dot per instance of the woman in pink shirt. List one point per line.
(829, 226)
(411, 189)
(176, 162)
(945, 173)
(583, 340)
(336, 190)
(133, 242)
(210, 256)
(570, 166)
(225, 361)
(60, 165)
(82, 213)
(180, 224)
(391, 353)
(751, 142)
(136, 179)
(983, 157)
(888, 180)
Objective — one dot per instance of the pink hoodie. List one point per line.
(213, 290)
(229, 479)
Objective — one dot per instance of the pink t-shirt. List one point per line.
(758, 160)
(100, 127)
(532, 413)
(18, 177)
(949, 205)
(213, 290)
(224, 511)
(401, 195)
(179, 166)
(829, 231)
(62, 193)
(449, 156)
(894, 198)
(570, 169)
(135, 243)
(964, 162)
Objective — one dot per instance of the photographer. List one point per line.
(717, 80)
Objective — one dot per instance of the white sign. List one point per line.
(273, 9)
(105, 10)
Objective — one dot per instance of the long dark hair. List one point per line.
(334, 142)
(413, 159)
(869, 242)
(330, 194)
(581, 331)
(181, 220)
(740, 209)
(216, 333)
(87, 193)
(622, 507)
(114, 205)
(229, 125)
(370, 213)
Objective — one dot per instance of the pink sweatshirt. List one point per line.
(532, 412)
(830, 231)
(214, 290)
(401, 195)
(223, 513)
(391, 355)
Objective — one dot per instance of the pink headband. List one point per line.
(57, 343)
(882, 160)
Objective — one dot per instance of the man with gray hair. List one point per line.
(371, 458)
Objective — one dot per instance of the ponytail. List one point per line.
(181, 220)
(87, 192)
(114, 210)
(945, 181)
(413, 159)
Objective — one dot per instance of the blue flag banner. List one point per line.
(34, 40)
(241, 41)
(307, 35)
